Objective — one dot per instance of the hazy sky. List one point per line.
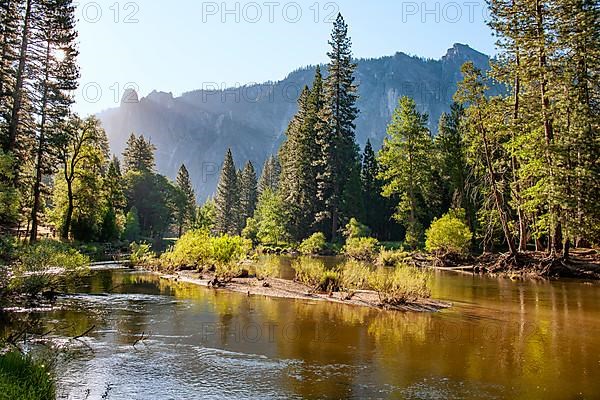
(182, 45)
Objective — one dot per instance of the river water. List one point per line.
(155, 339)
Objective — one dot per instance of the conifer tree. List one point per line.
(227, 199)
(53, 44)
(335, 130)
(139, 154)
(376, 214)
(248, 192)
(186, 202)
(269, 178)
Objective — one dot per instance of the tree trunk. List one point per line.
(19, 81)
(37, 186)
(66, 228)
(553, 209)
(497, 198)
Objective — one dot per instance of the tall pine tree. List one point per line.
(185, 212)
(248, 192)
(339, 158)
(227, 199)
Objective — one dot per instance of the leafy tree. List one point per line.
(186, 201)
(339, 157)
(83, 153)
(405, 165)
(132, 230)
(205, 217)
(272, 218)
(227, 199)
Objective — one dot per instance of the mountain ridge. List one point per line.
(197, 127)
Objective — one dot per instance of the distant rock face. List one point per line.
(197, 128)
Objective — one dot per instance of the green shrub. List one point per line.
(363, 248)
(402, 285)
(390, 258)
(141, 254)
(225, 272)
(354, 275)
(354, 229)
(315, 244)
(449, 234)
(193, 249)
(309, 271)
(267, 268)
(199, 249)
(23, 379)
(229, 249)
(45, 264)
(312, 273)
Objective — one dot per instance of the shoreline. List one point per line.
(286, 289)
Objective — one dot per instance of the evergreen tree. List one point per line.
(227, 199)
(132, 230)
(139, 154)
(299, 157)
(113, 186)
(56, 75)
(376, 210)
(269, 179)
(339, 157)
(485, 145)
(186, 203)
(406, 165)
(248, 193)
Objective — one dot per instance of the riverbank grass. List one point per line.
(21, 378)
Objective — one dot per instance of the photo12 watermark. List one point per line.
(269, 12)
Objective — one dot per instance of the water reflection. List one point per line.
(502, 339)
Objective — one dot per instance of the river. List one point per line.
(502, 339)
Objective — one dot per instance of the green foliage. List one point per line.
(391, 258)
(354, 275)
(9, 196)
(185, 201)
(205, 217)
(355, 229)
(21, 378)
(406, 162)
(199, 249)
(141, 254)
(132, 230)
(361, 248)
(449, 234)
(154, 198)
(248, 196)
(315, 244)
(139, 154)
(272, 218)
(404, 284)
(267, 268)
(227, 205)
(312, 273)
(338, 162)
(269, 178)
(44, 265)
(250, 232)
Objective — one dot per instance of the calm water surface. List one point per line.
(501, 340)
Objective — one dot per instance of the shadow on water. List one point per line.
(501, 340)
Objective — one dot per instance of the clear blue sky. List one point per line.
(182, 45)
